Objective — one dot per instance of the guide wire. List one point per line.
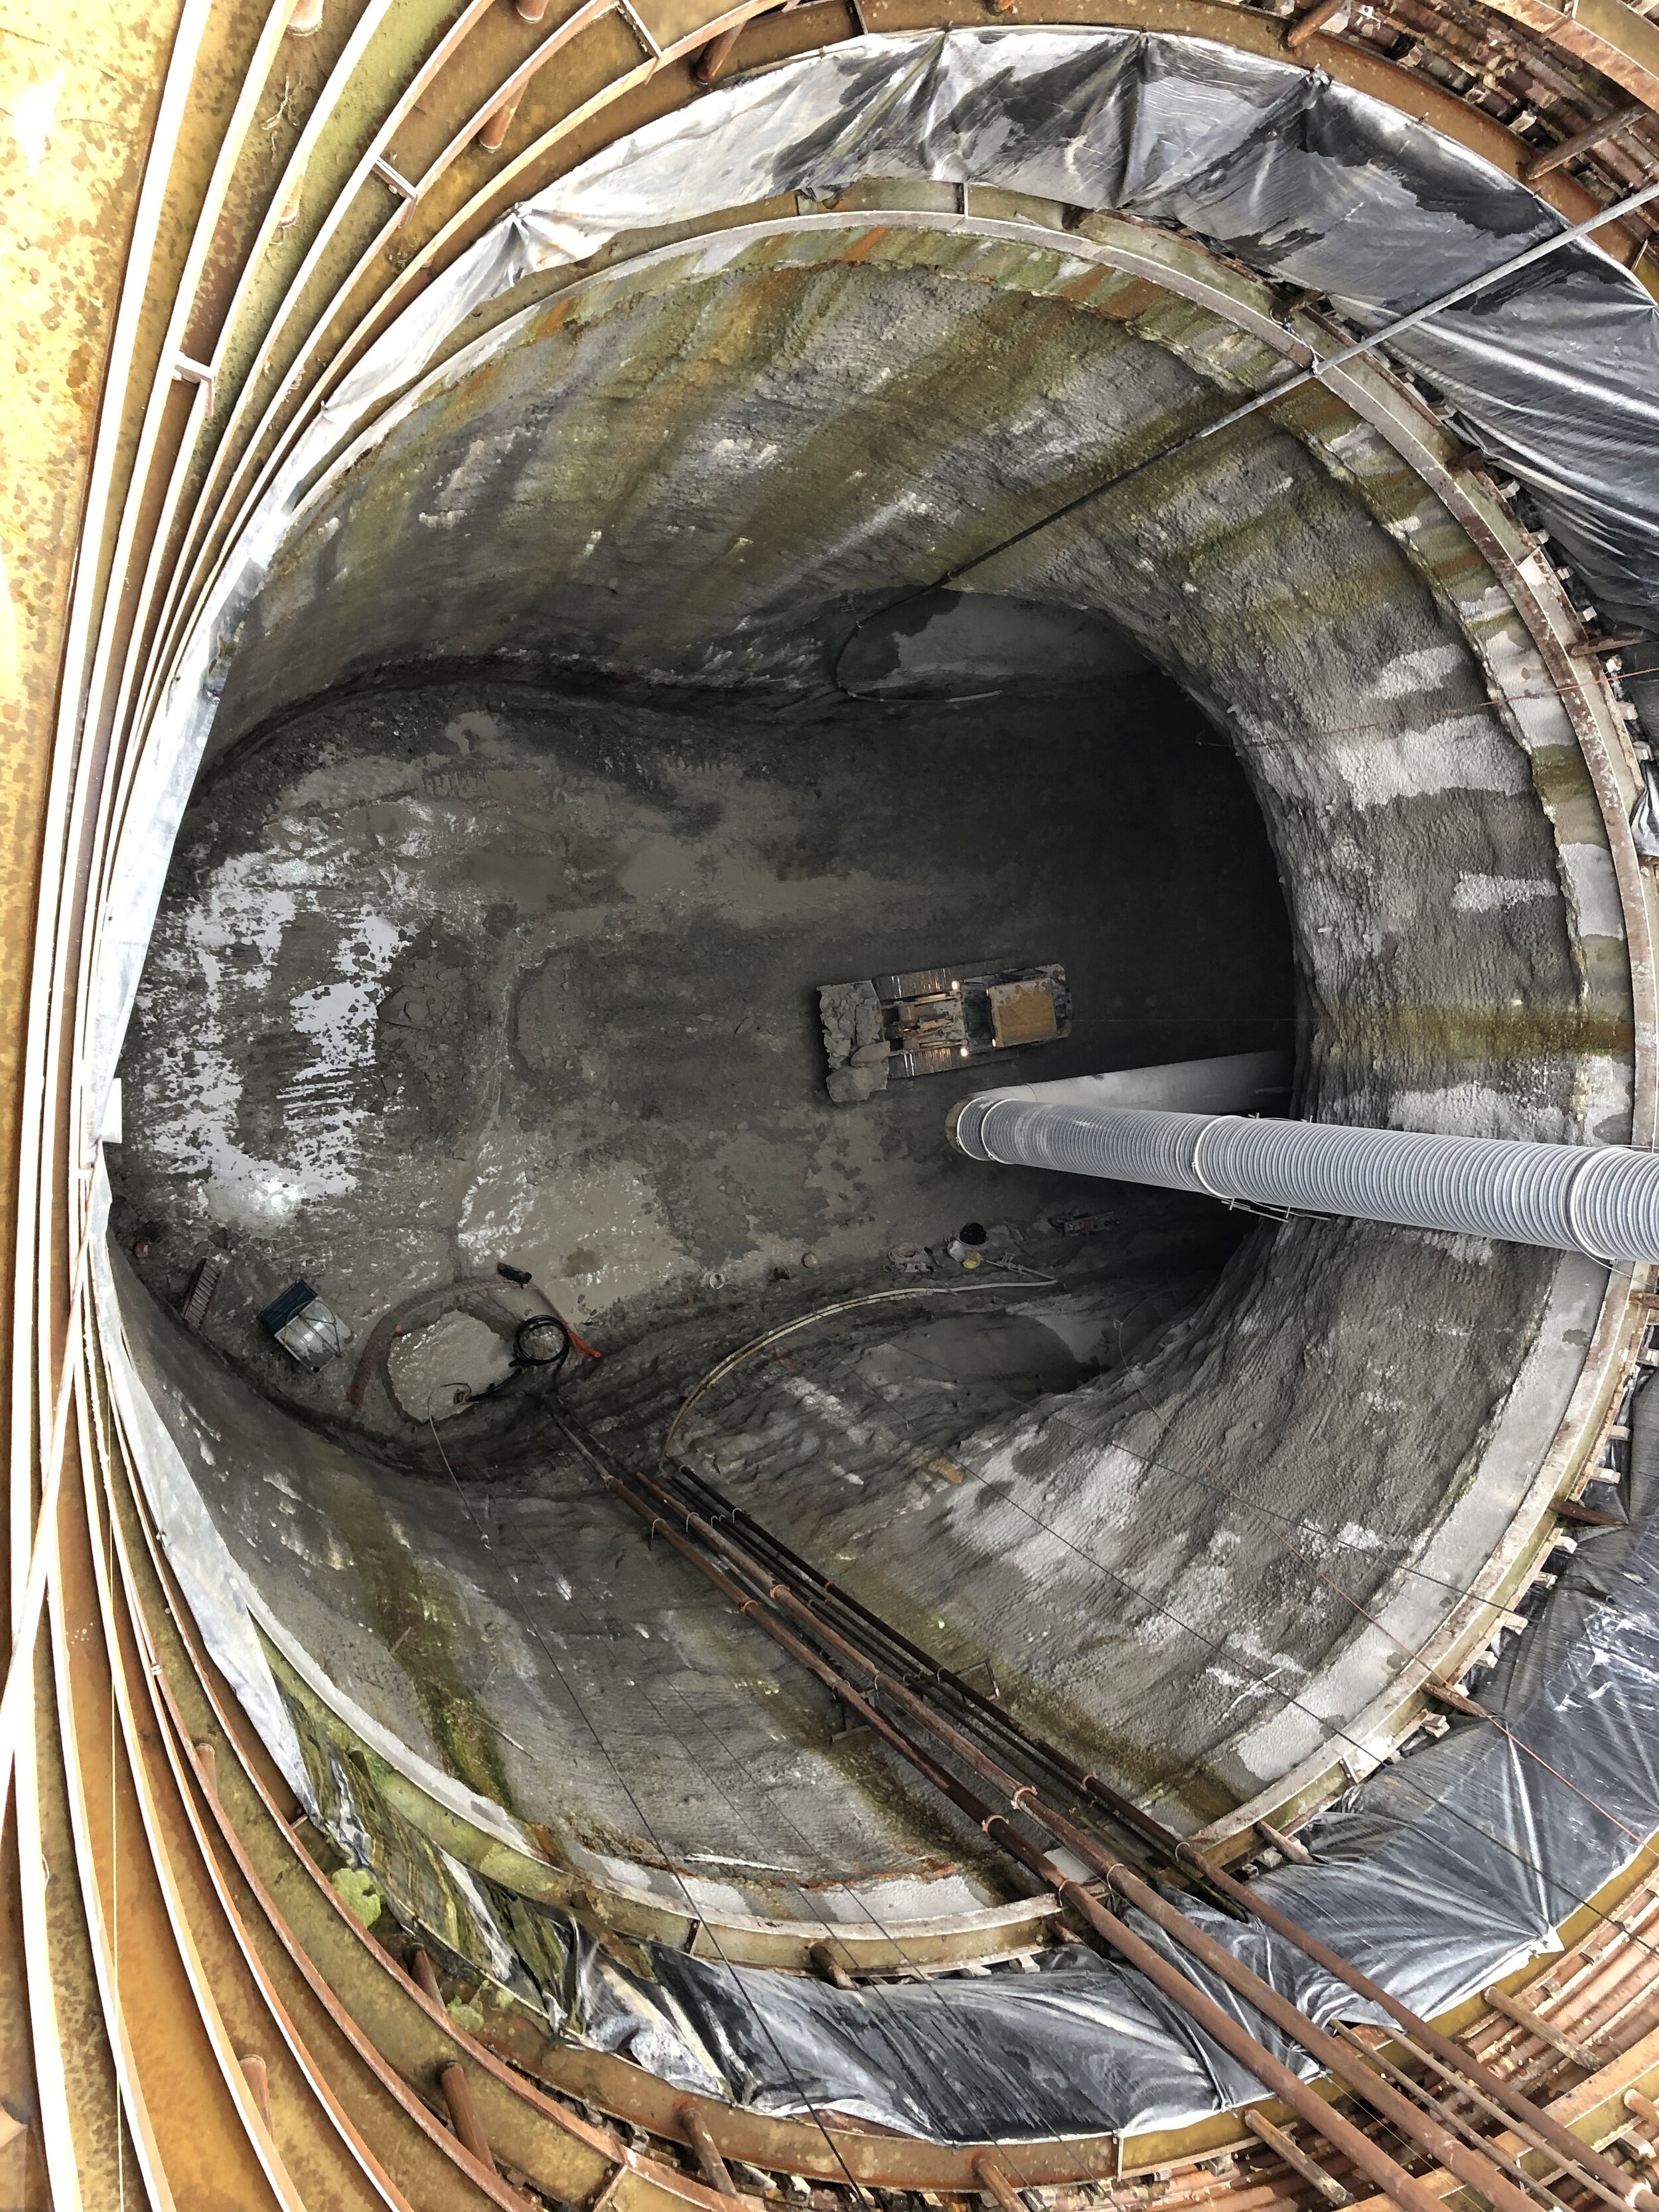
(1194, 1474)
(1396, 1552)
(1278, 2008)
(1610, 2184)
(762, 1343)
(1268, 2067)
(1327, 1727)
(891, 2027)
(1642, 1843)
(1346, 1597)
(589, 1447)
(1123, 1813)
(1318, 367)
(1541, 2192)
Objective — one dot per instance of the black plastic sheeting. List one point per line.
(1553, 373)
(1442, 1872)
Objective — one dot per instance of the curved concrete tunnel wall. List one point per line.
(1451, 889)
(650, 472)
(1451, 868)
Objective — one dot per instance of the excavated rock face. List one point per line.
(696, 476)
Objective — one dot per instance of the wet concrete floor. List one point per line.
(487, 972)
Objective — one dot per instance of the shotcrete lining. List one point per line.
(569, 498)
(1252, 575)
(513, 973)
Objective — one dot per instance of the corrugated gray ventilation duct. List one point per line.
(1601, 1200)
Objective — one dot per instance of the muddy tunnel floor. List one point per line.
(443, 978)
(490, 972)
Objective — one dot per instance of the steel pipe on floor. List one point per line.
(1599, 1199)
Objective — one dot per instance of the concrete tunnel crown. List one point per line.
(594, 1625)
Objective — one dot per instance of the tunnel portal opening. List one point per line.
(496, 969)
(475, 967)
(500, 945)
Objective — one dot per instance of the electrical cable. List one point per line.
(586, 1446)
(1005, 1782)
(530, 1337)
(759, 1344)
(1030, 1752)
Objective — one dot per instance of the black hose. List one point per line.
(542, 1341)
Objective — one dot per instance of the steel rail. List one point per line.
(235, 2009)
(463, 223)
(1121, 1809)
(1473, 2168)
(1596, 2170)
(1274, 2076)
(1211, 2018)
(270, 310)
(1541, 2192)
(1532, 2120)
(239, 1794)
(37, 1326)
(224, 302)
(1240, 2043)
